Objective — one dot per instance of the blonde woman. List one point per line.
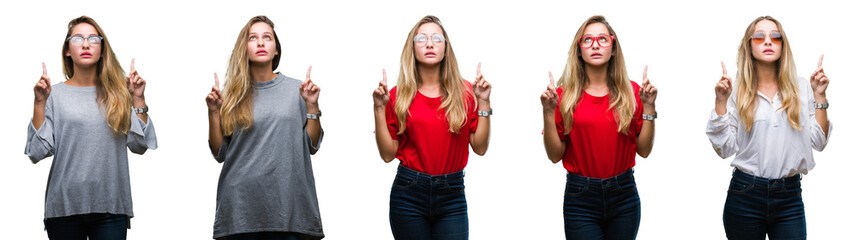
(263, 127)
(596, 121)
(427, 122)
(771, 123)
(87, 123)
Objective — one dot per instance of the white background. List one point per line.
(514, 192)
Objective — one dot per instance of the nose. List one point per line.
(85, 44)
(260, 42)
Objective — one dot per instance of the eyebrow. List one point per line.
(600, 34)
(81, 34)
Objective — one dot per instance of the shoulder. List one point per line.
(635, 86)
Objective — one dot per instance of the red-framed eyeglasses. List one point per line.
(589, 41)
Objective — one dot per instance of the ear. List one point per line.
(67, 54)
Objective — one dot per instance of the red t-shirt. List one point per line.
(594, 147)
(427, 145)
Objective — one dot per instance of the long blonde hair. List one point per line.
(237, 108)
(747, 84)
(111, 87)
(453, 87)
(574, 79)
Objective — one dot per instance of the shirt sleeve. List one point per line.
(722, 130)
(637, 120)
(141, 136)
(40, 143)
(817, 137)
(392, 119)
(473, 115)
(308, 139)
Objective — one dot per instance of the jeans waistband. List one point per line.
(622, 176)
(421, 175)
(751, 178)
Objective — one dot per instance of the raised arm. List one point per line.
(482, 90)
(386, 145)
(554, 147)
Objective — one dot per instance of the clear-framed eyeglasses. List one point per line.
(421, 39)
(77, 40)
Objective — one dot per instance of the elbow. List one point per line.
(555, 160)
(644, 154)
(138, 150)
(480, 152)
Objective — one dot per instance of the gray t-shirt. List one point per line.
(89, 173)
(267, 184)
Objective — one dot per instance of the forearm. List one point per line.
(386, 145)
(38, 114)
(820, 114)
(313, 127)
(215, 135)
(554, 147)
(482, 136)
(646, 139)
(140, 102)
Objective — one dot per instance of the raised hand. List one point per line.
(550, 98)
(136, 84)
(818, 80)
(724, 87)
(481, 87)
(381, 95)
(214, 100)
(648, 92)
(43, 86)
(309, 91)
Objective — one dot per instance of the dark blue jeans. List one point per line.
(426, 206)
(597, 208)
(756, 206)
(96, 226)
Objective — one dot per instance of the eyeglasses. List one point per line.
(589, 41)
(421, 39)
(77, 40)
(759, 37)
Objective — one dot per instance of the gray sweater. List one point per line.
(89, 173)
(267, 183)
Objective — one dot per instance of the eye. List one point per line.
(776, 35)
(602, 39)
(587, 39)
(77, 38)
(94, 39)
(268, 38)
(420, 38)
(252, 38)
(758, 35)
(437, 38)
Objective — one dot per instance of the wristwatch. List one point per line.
(140, 110)
(822, 105)
(485, 113)
(313, 115)
(650, 117)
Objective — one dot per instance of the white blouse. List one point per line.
(772, 148)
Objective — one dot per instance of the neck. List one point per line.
(597, 75)
(429, 75)
(84, 76)
(261, 72)
(766, 73)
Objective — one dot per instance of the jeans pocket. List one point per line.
(455, 186)
(403, 182)
(739, 186)
(627, 185)
(574, 189)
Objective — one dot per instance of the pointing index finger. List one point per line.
(820, 59)
(645, 72)
(216, 81)
(553, 84)
(308, 71)
(44, 69)
(132, 65)
(723, 65)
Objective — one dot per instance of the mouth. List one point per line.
(86, 55)
(430, 54)
(596, 55)
(261, 53)
(768, 51)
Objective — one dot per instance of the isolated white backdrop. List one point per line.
(513, 191)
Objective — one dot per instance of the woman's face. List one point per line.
(261, 46)
(596, 45)
(84, 45)
(429, 44)
(766, 42)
